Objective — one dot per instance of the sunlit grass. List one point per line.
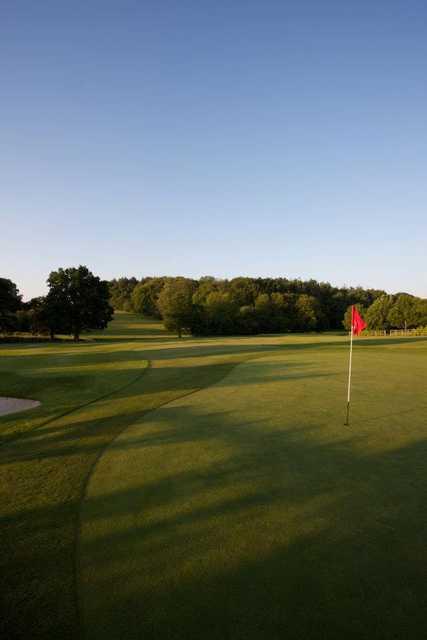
(239, 507)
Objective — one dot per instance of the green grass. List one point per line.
(182, 496)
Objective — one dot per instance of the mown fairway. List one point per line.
(193, 498)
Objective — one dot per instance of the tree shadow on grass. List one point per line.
(63, 435)
(285, 536)
(171, 349)
(204, 350)
(318, 540)
(48, 468)
(355, 570)
(130, 338)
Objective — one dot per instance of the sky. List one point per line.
(214, 138)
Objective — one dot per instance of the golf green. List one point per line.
(248, 510)
(208, 487)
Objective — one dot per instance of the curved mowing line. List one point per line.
(102, 451)
(76, 408)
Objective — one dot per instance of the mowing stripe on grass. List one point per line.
(7, 440)
(247, 510)
(43, 472)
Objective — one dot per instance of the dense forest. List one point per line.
(78, 301)
(210, 306)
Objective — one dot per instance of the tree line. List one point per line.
(398, 311)
(211, 306)
(79, 301)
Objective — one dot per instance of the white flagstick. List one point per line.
(349, 371)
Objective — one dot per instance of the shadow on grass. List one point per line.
(131, 338)
(318, 538)
(48, 468)
(202, 350)
(171, 380)
(230, 567)
(286, 536)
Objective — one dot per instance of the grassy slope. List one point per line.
(45, 460)
(248, 510)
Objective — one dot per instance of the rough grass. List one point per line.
(231, 501)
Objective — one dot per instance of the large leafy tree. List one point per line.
(221, 313)
(10, 301)
(421, 312)
(403, 314)
(120, 293)
(247, 320)
(377, 316)
(205, 286)
(145, 296)
(77, 301)
(307, 312)
(176, 305)
(243, 291)
(34, 317)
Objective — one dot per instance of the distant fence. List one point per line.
(420, 331)
(407, 333)
(368, 333)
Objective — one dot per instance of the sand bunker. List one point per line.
(12, 405)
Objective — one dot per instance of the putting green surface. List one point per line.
(249, 510)
(207, 488)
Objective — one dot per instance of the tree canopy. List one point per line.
(77, 301)
(404, 312)
(145, 296)
(120, 293)
(246, 305)
(10, 301)
(176, 304)
(249, 305)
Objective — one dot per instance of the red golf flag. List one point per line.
(357, 322)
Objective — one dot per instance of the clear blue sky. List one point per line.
(222, 138)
